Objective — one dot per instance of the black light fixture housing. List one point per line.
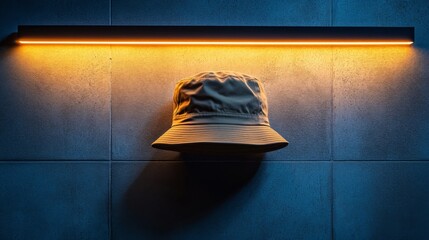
(214, 35)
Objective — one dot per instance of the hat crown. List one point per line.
(226, 94)
(220, 112)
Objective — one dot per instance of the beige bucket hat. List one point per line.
(220, 112)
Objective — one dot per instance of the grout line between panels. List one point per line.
(385, 161)
(332, 113)
(225, 161)
(331, 178)
(332, 201)
(53, 161)
(291, 161)
(279, 161)
(110, 12)
(332, 13)
(110, 151)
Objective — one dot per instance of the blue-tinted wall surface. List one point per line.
(76, 123)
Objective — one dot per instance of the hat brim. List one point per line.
(220, 138)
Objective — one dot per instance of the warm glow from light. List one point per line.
(310, 43)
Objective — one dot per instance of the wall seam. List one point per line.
(332, 142)
(217, 161)
(332, 127)
(18, 161)
(111, 137)
(110, 150)
(110, 147)
(110, 12)
(331, 11)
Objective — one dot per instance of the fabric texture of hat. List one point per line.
(220, 112)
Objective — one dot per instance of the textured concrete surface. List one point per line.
(54, 200)
(380, 94)
(242, 200)
(13, 13)
(102, 103)
(381, 104)
(297, 81)
(381, 200)
(214, 12)
(385, 13)
(55, 103)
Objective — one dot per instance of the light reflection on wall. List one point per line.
(372, 77)
(62, 73)
(73, 82)
(376, 91)
(55, 101)
(298, 81)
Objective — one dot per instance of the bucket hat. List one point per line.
(220, 112)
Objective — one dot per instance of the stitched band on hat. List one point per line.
(221, 118)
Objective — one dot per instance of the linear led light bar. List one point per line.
(214, 35)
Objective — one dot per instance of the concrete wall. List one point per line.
(76, 123)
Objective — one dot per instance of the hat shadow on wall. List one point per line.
(169, 195)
